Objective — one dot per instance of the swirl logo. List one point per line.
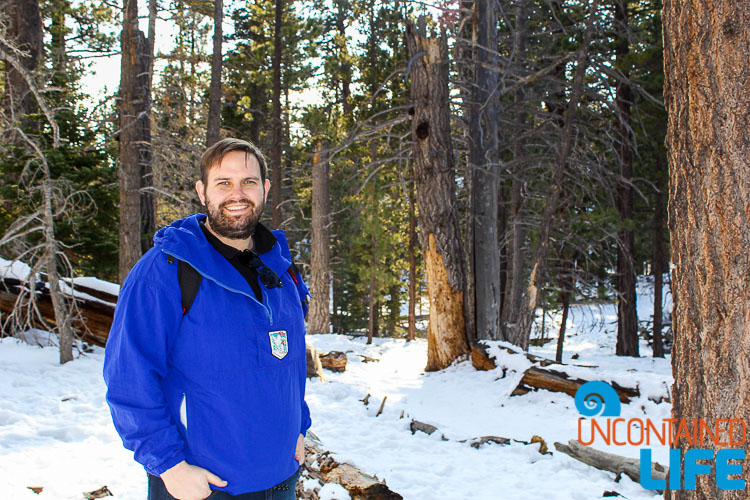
(597, 398)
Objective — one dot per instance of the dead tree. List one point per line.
(434, 174)
(43, 220)
(519, 334)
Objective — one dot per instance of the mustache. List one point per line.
(234, 202)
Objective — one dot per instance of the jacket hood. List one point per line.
(184, 240)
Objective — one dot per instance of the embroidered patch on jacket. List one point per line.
(279, 344)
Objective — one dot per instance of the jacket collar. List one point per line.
(185, 240)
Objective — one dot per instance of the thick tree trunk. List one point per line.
(436, 199)
(213, 124)
(520, 334)
(484, 171)
(627, 318)
(24, 29)
(276, 121)
(319, 320)
(465, 67)
(707, 91)
(130, 171)
(514, 285)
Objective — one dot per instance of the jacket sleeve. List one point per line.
(135, 363)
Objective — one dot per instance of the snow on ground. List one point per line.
(56, 432)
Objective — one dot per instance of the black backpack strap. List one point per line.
(301, 287)
(189, 280)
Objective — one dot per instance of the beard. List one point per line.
(235, 227)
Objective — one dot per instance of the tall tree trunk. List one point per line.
(707, 91)
(465, 66)
(514, 285)
(434, 172)
(319, 320)
(276, 121)
(373, 302)
(213, 124)
(658, 259)
(24, 29)
(412, 329)
(136, 205)
(627, 318)
(484, 171)
(341, 13)
(521, 332)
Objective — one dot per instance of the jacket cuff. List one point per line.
(167, 464)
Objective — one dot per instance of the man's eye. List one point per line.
(249, 181)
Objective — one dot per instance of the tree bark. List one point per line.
(276, 121)
(319, 320)
(213, 124)
(707, 91)
(136, 199)
(484, 171)
(627, 318)
(24, 30)
(434, 172)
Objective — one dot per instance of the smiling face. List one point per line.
(234, 195)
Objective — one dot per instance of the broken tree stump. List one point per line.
(314, 367)
(610, 462)
(480, 358)
(360, 485)
(334, 361)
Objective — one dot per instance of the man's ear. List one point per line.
(266, 188)
(200, 189)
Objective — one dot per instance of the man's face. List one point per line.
(234, 195)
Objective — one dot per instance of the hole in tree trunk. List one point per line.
(423, 131)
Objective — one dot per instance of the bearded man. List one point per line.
(209, 394)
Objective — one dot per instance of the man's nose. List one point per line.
(237, 191)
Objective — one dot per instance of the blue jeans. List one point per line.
(285, 490)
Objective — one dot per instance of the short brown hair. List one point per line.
(214, 154)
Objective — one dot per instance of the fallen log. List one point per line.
(92, 324)
(610, 462)
(556, 381)
(321, 466)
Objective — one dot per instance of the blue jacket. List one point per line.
(207, 387)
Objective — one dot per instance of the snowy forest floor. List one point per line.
(56, 432)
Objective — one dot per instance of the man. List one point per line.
(212, 401)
